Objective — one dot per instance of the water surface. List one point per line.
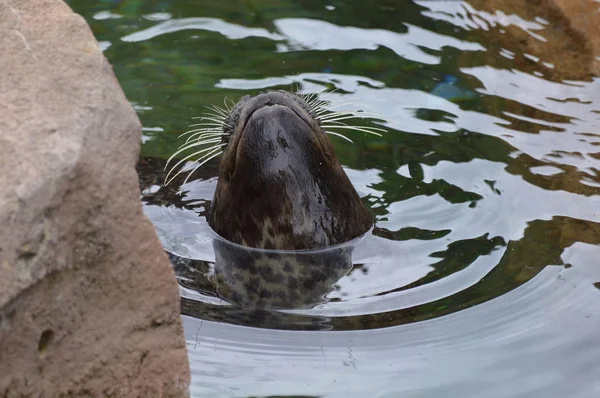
(481, 277)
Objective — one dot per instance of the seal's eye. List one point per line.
(228, 175)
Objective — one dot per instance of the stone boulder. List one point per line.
(89, 305)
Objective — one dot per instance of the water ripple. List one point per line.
(502, 340)
(480, 277)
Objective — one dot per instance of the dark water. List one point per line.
(482, 276)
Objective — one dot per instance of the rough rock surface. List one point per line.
(88, 303)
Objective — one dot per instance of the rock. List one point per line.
(89, 305)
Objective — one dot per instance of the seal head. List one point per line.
(280, 184)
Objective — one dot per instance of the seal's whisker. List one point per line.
(358, 114)
(334, 106)
(364, 129)
(217, 115)
(314, 99)
(215, 118)
(218, 111)
(343, 125)
(339, 117)
(212, 119)
(186, 168)
(317, 102)
(202, 136)
(334, 120)
(320, 109)
(322, 94)
(295, 88)
(330, 108)
(208, 116)
(202, 130)
(340, 135)
(209, 141)
(346, 101)
(203, 141)
(209, 124)
(316, 96)
(206, 127)
(209, 121)
(213, 155)
(217, 108)
(230, 105)
(185, 147)
(189, 146)
(211, 150)
(205, 132)
(215, 111)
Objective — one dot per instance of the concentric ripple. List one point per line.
(481, 276)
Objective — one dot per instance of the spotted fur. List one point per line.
(264, 279)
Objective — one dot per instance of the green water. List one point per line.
(481, 278)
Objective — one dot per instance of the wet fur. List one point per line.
(280, 184)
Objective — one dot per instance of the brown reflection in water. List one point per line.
(568, 49)
(572, 37)
(542, 245)
(151, 172)
(569, 180)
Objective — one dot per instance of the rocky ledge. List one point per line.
(88, 303)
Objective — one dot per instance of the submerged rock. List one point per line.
(88, 303)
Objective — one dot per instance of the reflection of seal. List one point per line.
(280, 185)
(259, 278)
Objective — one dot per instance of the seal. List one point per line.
(286, 215)
(280, 185)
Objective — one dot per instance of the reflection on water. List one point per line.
(270, 279)
(481, 276)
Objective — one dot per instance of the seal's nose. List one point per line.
(272, 99)
(276, 138)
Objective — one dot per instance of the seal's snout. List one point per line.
(276, 104)
(276, 123)
(276, 139)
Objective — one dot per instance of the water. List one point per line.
(481, 277)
